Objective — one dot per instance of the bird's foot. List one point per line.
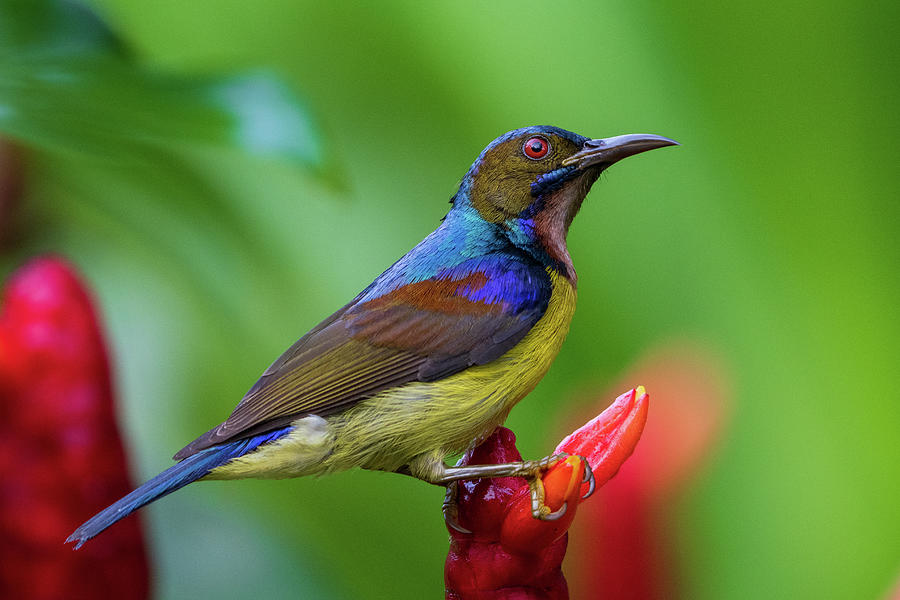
(450, 508)
(534, 472)
(540, 510)
(438, 473)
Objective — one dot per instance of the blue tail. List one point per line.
(175, 477)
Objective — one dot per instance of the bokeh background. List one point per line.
(227, 173)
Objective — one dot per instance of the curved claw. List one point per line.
(553, 516)
(449, 508)
(451, 522)
(588, 476)
(539, 510)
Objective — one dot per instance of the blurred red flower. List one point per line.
(625, 546)
(60, 454)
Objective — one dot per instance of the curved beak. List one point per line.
(607, 151)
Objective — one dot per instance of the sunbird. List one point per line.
(431, 357)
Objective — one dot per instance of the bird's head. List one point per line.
(531, 182)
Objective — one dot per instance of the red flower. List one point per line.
(510, 554)
(60, 452)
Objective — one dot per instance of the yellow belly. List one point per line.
(438, 418)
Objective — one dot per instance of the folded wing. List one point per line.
(420, 331)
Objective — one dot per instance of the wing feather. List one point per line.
(421, 331)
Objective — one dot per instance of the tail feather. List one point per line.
(174, 478)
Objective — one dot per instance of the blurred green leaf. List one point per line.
(67, 84)
(53, 28)
(144, 141)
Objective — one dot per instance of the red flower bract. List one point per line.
(60, 454)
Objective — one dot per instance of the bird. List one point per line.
(431, 357)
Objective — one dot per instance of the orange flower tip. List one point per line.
(640, 392)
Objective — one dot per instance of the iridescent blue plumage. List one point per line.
(463, 245)
(461, 237)
(511, 283)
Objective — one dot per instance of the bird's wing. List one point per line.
(420, 331)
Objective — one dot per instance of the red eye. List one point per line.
(536, 148)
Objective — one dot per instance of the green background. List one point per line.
(770, 235)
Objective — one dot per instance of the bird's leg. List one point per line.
(450, 507)
(432, 469)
